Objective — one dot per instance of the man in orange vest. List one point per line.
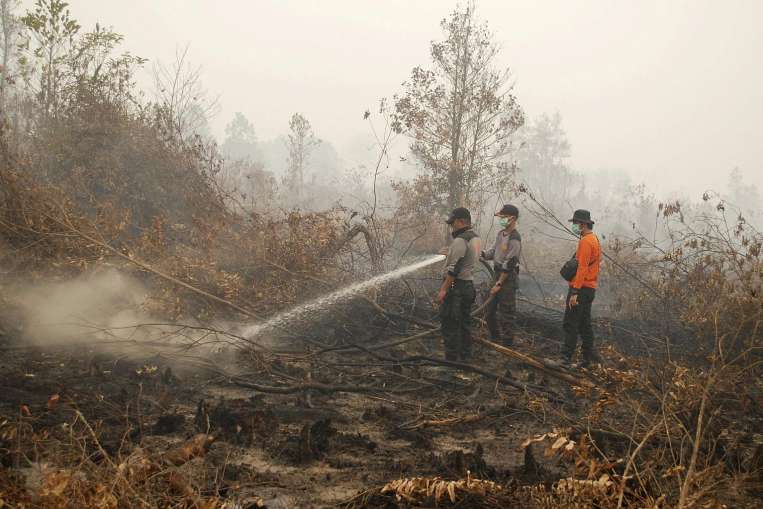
(577, 313)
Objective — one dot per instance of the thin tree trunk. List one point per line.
(5, 18)
(697, 442)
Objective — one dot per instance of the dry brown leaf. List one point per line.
(439, 491)
(53, 401)
(430, 487)
(559, 442)
(418, 489)
(56, 484)
(181, 485)
(452, 492)
(195, 447)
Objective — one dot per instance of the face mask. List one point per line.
(504, 222)
(576, 229)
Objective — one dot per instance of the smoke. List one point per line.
(106, 309)
(81, 308)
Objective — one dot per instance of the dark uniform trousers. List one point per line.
(456, 320)
(577, 321)
(504, 301)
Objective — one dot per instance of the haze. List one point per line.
(667, 91)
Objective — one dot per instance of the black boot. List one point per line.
(590, 358)
(452, 356)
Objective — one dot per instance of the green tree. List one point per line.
(63, 69)
(542, 162)
(240, 139)
(51, 33)
(460, 114)
(300, 143)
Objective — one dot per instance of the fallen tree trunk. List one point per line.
(318, 387)
(423, 359)
(526, 359)
(446, 422)
(536, 364)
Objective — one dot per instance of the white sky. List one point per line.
(669, 91)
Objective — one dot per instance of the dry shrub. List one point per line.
(571, 493)
(421, 489)
(163, 211)
(418, 221)
(67, 466)
(36, 221)
(435, 492)
(478, 493)
(677, 426)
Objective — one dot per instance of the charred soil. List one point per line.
(67, 405)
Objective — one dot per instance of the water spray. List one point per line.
(338, 296)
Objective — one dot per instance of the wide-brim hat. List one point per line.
(581, 216)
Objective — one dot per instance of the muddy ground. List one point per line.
(300, 449)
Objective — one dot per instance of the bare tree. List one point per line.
(301, 142)
(745, 196)
(460, 114)
(185, 106)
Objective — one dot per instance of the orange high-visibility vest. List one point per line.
(589, 261)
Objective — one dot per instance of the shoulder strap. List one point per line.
(468, 235)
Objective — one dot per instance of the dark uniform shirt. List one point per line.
(506, 251)
(463, 255)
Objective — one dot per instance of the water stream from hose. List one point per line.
(282, 319)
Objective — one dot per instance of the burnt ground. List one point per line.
(303, 449)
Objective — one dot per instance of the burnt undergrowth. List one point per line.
(130, 268)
